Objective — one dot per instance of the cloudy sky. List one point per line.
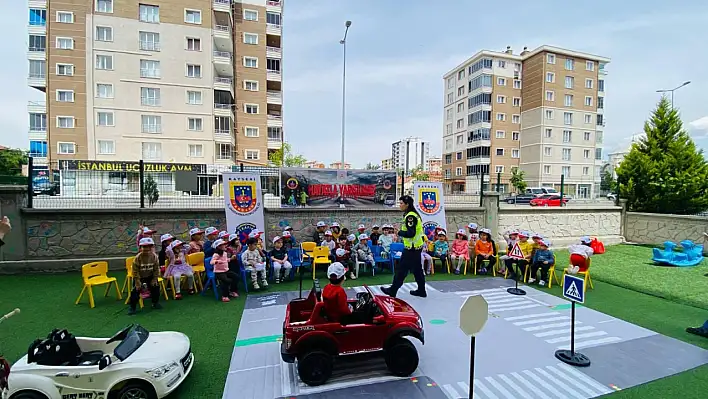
(397, 53)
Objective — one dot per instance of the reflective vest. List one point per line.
(417, 240)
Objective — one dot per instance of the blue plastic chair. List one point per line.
(210, 278)
(395, 247)
(244, 272)
(376, 251)
(296, 259)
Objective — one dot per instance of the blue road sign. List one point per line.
(574, 288)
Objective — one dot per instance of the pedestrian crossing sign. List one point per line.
(574, 288)
(516, 252)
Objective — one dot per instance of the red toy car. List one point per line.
(548, 200)
(315, 342)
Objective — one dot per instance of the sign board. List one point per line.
(516, 252)
(574, 288)
(429, 201)
(243, 204)
(473, 315)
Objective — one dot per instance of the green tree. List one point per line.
(607, 181)
(664, 172)
(372, 166)
(419, 174)
(284, 157)
(151, 191)
(517, 180)
(11, 161)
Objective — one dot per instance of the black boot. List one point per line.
(419, 293)
(388, 291)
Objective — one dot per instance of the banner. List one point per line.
(429, 201)
(243, 204)
(338, 188)
(130, 166)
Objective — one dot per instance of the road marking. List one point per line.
(258, 340)
(451, 391)
(593, 343)
(563, 331)
(504, 300)
(465, 388)
(549, 326)
(514, 386)
(586, 335)
(258, 321)
(537, 321)
(485, 390)
(572, 381)
(544, 384)
(588, 380)
(529, 316)
(479, 292)
(496, 309)
(605, 321)
(530, 386)
(253, 368)
(559, 383)
(500, 388)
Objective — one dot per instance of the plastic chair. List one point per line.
(244, 273)
(196, 260)
(308, 247)
(444, 262)
(210, 278)
(393, 250)
(129, 282)
(96, 273)
(182, 279)
(464, 271)
(320, 257)
(376, 252)
(296, 259)
(585, 274)
(527, 274)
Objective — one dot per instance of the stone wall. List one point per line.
(651, 228)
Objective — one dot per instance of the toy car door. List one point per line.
(79, 382)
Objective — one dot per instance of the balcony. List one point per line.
(147, 45)
(223, 63)
(37, 28)
(273, 29)
(222, 5)
(274, 75)
(274, 5)
(225, 84)
(35, 134)
(222, 32)
(275, 143)
(223, 136)
(275, 121)
(36, 53)
(37, 107)
(37, 3)
(274, 97)
(224, 110)
(274, 52)
(37, 80)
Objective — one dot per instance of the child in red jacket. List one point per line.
(334, 296)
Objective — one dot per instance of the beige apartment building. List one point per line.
(540, 111)
(126, 80)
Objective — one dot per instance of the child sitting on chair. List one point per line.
(254, 263)
(485, 250)
(195, 241)
(526, 248)
(233, 249)
(542, 259)
(363, 251)
(344, 257)
(580, 255)
(425, 258)
(375, 235)
(178, 267)
(279, 260)
(441, 246)
(459, 250)
(146, 271)
(386, 239)
(228, 280)
(328, 241)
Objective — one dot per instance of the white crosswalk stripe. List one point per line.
(564, 331)
(508, 308)
(577, 336)
(539, 321)
(376, 289)
(594, 342)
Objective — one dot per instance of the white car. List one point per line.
(133, 364)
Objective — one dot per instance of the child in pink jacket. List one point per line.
(227, 279)
(460, 250)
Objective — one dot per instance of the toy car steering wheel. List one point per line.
(120, 334)
(364, 299)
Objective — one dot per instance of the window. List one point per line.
(547, 151)
(193, 17)
(37, 43)
(251, 108)
(152, 151)
(448, 115)
(149, 13)
(252, 155)
(588, 101)
(66, 148)
(549, 114)
(586, 154)
(65, 96)
(37, 69)
(501, 116)
(460, 74)
(600, 102)
(550, 77)
(65, 43)
(272, 18)
(568, 101)
(598, 153)
(460, 139)
(498, 169)
(250, 38)
(516, 119)
(450, 98)
(589, 83)
(550, 95)
(65, 17)
(501, 64)
(458, 156)
(104, 34)
(569, 64)
(38, 148)
(194, 44)
(106, 147)
(250, 131)
(104, 62)
(565, 171)
(567, 136)
(65, 70)
(250, 15)
(460, 123)
(568, 118)
(150, 96)
(514, 153)
(501, 99)
(516, 102)
(461, 91)
(461, 107)
(548, 133)
(195, 150)
(515, 136)
(250, 85)
(272, 65)
(149, 69)
(546, 169)
(598, 137)
(194, 97)
(104, 6)
(588, 119)
(601, 85)
(149, 41)
(586, 170)
(224, 151)
(104, 90)
(589, 65)
(566, 154)
(586, 136)
(195, 124)
(450, 83)
(569, 82)
(194, 71)
(517, 84)
(104, 119)
(501, 81)
(151, 123)
(252, 62)
(38, 122)
(448, 145)
(448, 129)
(37, 17)
(500, 134)
(65, 122)
(458, 171)
(550, 58)
(500, 152)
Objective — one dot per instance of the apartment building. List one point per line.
(156, 80)
(387, 164)
(410, 153)
(434, 165)
(540, 111)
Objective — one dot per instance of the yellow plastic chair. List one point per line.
(96, 273)
(320, 257)
(585, 275)
(527, 274)
(182, 279)
(196, 260)
(129, 282)
(308, 247)
(450, 260)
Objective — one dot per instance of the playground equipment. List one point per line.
(691, 256)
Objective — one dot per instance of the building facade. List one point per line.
(434, 165)
(387, 164)
(540, 111)
(410, 153)
(125, 81)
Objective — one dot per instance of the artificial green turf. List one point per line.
(47, 302)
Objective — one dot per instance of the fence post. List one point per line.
(562, 187)
(142, 183)
(30, 189)
(481, 189)
(498, 182)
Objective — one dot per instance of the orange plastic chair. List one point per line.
(96, 273)
(321, 257)
(129, 282)
(196, 260)
(585, 275)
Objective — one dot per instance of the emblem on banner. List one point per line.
(243, 196)
(429, 229)
(387, 184)
(429, 200)
(292, 183)
(243, 230)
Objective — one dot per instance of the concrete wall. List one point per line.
(650, 228)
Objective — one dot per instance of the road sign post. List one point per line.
(574, 291)
(473, 316)
(518, 255)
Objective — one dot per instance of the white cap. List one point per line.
(472, 226)
(340, 252)
(361, 227)
(147, 230)
(146, 241)
(253, 234)
(195, 231)
(585, 239)
(166, 237)
(175, 244)
(512, 232)
(351, 237)
(223, 234)
(233, 237)
(375, 226)
(442, 232)
(286, 234)
(524, 234)
(288, 228)
(536, 235)
(337, 269)
(363, 237)
(217, 243)
(462, 231)
(545, 243)
(486, 231)
(321, 224)
(210, 230)
(328, 233)
(335, 224)
(276, 238)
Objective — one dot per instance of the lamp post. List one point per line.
(673, 90)
(343, 42)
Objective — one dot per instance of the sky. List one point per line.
(397, 55)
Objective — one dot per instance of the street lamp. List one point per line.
(343, 42)
(673, 90)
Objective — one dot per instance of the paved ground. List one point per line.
(514, 351)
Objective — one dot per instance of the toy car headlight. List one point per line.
(420, 322)
(158, 372)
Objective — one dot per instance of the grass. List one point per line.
(47, 302)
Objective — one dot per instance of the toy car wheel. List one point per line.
(28, 395)
(136, 390)
(402, 358)
(315, 368)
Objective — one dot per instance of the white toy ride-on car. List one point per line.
(133, 364)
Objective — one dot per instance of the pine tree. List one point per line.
(151, 191)
(664, 172)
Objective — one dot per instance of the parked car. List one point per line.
(45, 188)
(537, 191)
(390, 200)
(520, 199)
(612, 197)
(548, 200)
(315, 342)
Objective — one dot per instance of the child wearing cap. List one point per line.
(178, 267)
(336, 230)
(165, 241)
(318, 235)
(474, 236)
(279, 260)
(459, 250)
(228, 280)
(485, 250)
(363, 251)
(386, 239)
(143, 231)
(254, 263)
(375, 234)
(288, 241)
(145, 272)
(328, 241)
(212, 234)
(511, 237)
(233, 249)
(361, 229)
(579, 255)
(526, 248)
(334, 297)
(543, 260)
(441, 247)
(195, 241)
(425, 257)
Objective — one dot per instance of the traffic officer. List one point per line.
(412, 234)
